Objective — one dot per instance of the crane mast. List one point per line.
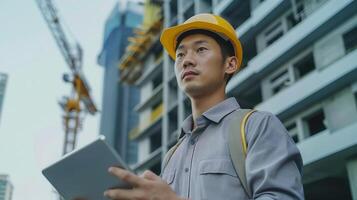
(79, 102)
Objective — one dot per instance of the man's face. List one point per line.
(199, 65)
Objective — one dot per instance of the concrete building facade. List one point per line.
(117, 116)
(142, 66)
(6, 187)
(299, 63)
(3, 81)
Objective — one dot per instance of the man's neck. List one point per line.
(201, 104)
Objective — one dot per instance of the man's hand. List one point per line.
(148, 186)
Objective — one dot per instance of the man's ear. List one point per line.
(231, 65)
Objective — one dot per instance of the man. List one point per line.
(207, 53)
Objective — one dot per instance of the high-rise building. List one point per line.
(117, 116)
(6, 188)
(142, 65)
(299, 63)
(3, 81)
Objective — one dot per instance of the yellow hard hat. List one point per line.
(204, 21)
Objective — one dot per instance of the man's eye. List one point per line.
(179, 55)
(201, 49)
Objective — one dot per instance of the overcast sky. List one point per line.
(31, 132)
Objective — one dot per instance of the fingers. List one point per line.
(121, 194)
(126, 176)
(150, 175)
(148, 186)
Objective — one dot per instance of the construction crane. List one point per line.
(79, 102)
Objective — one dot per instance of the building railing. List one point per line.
(156, 113)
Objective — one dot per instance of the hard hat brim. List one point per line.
(169, 36)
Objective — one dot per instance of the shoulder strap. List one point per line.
(170, 153)
(238, 145)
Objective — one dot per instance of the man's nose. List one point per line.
(189, 61)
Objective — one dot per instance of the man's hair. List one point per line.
(226, 46)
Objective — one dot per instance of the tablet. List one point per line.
(84, 174)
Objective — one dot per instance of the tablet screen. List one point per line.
(83, 173)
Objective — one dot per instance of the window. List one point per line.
(173, 125)
(273, 33)
(173, 8)
(158, 54)
(283, 24)
(315, 122)
(155, 141)
(250, 98)
(157, 81)
(156, 111)
(173, 12)
(350, 40)
(237, 12)
(156, 168)
(298, 13)
(336, 187)
(172, 92)
(190, 11)
(280, 81)
(304, 66)
(293, 19)
(289, 73)
(310, 121)
(293, 131)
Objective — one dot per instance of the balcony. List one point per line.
(155, 97)
(153, 127)
(153, 71)
(235, 11)
(293, 42)
(156, 113)
(334, 148)
(260, 17)
(145, 41)
(314, 86)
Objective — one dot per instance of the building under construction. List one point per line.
(3, 81)
(119, 99)
(6, 187)
(299, 63)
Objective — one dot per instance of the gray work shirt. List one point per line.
(201, 167)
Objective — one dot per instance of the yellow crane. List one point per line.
(79, 102)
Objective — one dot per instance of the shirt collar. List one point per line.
(186, 126)
(214, 114)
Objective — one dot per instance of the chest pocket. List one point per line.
(217, 166)
(218, 180)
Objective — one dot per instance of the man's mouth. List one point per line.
(188, 74)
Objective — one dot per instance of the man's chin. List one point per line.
(193, 90)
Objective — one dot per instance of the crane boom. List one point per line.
(72, 53)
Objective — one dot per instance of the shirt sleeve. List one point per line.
(273, 162)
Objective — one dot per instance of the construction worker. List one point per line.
(207, 53)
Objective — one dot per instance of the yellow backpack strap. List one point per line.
(238, 146)
(242, 130)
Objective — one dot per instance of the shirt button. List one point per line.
(186, 169)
